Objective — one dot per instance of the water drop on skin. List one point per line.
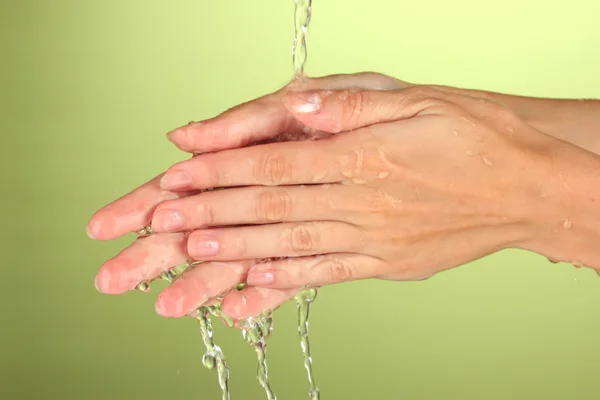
(147, 231)
(567, 224)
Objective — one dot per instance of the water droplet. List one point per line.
(143, 287)
(567, 224)
(144, 232)
(303, 301)
(209, 361)
(383, 174)
(486, 161)
(166, 276)
(455, 132)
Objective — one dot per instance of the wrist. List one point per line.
(574, 121)
(565, 218)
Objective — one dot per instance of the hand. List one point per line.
(424, 180)
(265, 119)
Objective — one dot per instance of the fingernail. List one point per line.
(305, 103)
(174, 136)
(96, 285)
(260, 278)
(176, 179)
(204, 245)
(88, 231)
(167, 220)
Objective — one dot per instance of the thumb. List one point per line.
(345, 110)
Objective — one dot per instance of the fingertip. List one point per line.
(177, 137)
(111, 279)
(160, 306)
(260, 278)
(176, 301)
(182, 137)
(167, 220)
(103, 284)
(101, 227)
(315, 109)
(232, 306)
(90, 231)
(303, 103)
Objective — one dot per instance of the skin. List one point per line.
(404, 182)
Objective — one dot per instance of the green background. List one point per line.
(89, 89)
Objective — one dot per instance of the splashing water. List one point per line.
(214, 356)
(256, 332)
(302, 16)
(303, 301)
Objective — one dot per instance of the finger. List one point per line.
(254, 205)
(315, 271)
(265, 117)
(143, 261)
(266, 165)
(129, 213)
(254, 121)
(276, 240)
(253, 301)
(340, 111)
(199, 285)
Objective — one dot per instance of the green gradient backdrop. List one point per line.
(90, 87)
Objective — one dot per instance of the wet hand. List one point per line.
(265, 119)
(423, 180)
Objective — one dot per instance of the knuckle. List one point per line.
(339, 270)
(210, 176)
(272, 170)
(421, 92)
(237, 247)
(273, 206)
(426, 97)
(503, 114)
(354, 105)
(303, 239)
(207, 214)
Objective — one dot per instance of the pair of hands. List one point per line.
(403, 182)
